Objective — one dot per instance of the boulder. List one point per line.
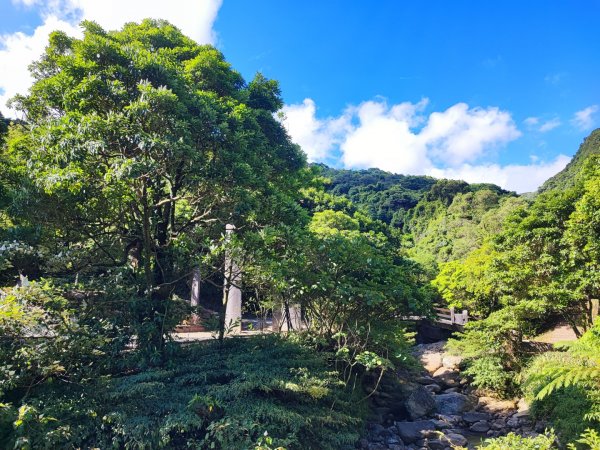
(499, 424)
(433, 388)
(420, 403)
(513, 422)
(451, 361)
(437, 444)
(495, 406)
(450, 390)
(453, 403)
(522, 415)
(480, 427)
(413, 431)
(394, 440)
(396, 446)
(472, 416)
(451, 420)
(424, 380)
(431, 361)
(447, 376)
(522, 405)
(441, 424)
(457, 440)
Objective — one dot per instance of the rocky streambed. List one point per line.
(440, 410)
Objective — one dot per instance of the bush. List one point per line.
(491, 350)
(515, 442)
(565, 386)
(210, 395)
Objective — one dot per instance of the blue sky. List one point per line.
(501, 92)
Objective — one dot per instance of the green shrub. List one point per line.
(491, 350)
(589, 438)
(564, 387)
(210, 395)
(515, 442)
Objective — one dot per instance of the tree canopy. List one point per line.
(139, 144)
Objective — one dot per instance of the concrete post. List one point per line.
(284, 322)
(232, 293)
(195, 294)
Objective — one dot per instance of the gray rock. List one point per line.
(457, 439)
(434, 388)
(424, 380)
(522, 414)
(437, 444)
(453, 403)
(420, 403)
(513, 422)
(411, 432)
(446, 376)
(450, 390)
(441, 424)
(393, 440)
(493, 405)
(472, 416)
(480, 427)
(499, 424)
(396, 447)
(452, 419)
(451, 361)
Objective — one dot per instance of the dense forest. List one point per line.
(133, 151)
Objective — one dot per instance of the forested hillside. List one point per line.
(567, 177)
(438, 220)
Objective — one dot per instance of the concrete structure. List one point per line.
(195, 294)
(232, 292)
(286, 320)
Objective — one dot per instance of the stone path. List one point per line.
(441, 411)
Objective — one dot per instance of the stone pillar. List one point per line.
(295, 317)
(282, 322)
(195, 294)
(232, 293)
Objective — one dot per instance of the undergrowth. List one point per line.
(210, 395)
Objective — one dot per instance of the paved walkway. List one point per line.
(560, 333)
(208, 335)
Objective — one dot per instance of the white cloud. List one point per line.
(531, 121)
(535, 124)
(515, 177)
(316, 137)
(403, 139)
(400, 137)
(584, 119)
(550, 125)
(374, 134)
(384, 138)
(462, 134)
(18, 50)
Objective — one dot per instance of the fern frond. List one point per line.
(570, 376)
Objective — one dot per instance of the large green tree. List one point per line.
(137, 146)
